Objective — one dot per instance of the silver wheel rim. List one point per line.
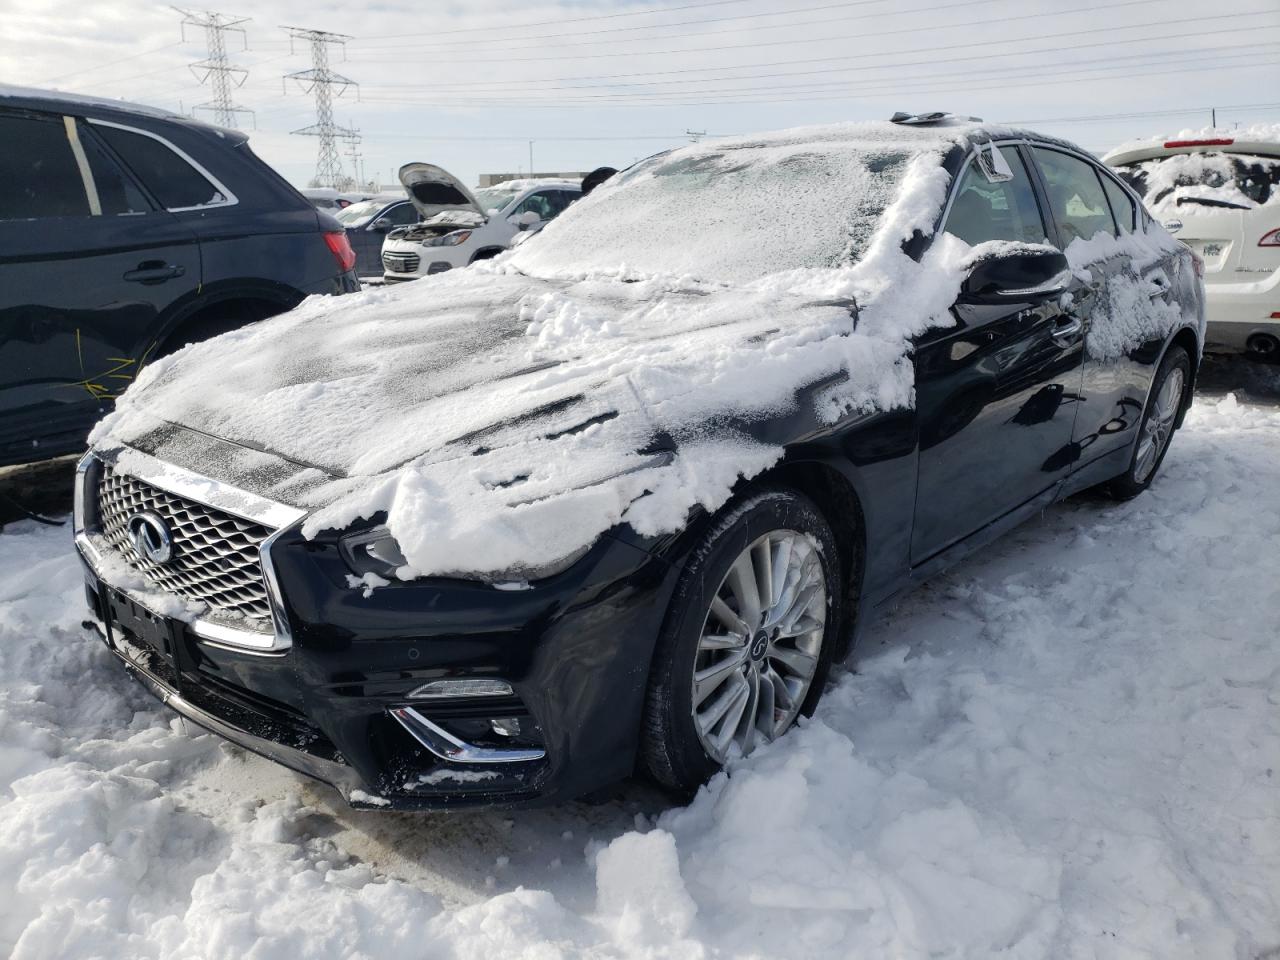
(760, 644)
(1158, 427)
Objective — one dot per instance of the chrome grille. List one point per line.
(398, 262)
(215, 554)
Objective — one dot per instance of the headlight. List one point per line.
(449, 239)
(375, 551)
(372, 551)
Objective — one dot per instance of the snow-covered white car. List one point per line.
(621, 497)
(1218, 191)
(459, 227)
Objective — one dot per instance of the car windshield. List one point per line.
(359, 213)
(728, 213)
(493, 199)
(1226, 179)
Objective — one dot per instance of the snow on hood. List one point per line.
(503, 422)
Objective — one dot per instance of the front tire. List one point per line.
(1159, 422)
(745, 647)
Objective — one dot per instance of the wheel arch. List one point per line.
(211, 311)
(487, 253)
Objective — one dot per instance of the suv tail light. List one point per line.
(340, 247)
(1218, 142)
(1270, 239)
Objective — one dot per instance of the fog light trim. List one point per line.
(446, 746)
(451, 689)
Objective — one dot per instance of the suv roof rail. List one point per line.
(927, 119)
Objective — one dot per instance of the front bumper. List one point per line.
(575, 650)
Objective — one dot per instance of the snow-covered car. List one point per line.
(459, 227)
(615, 501)
(1218, 191)
(327, 198)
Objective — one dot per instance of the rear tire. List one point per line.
(1158, 425)
(755, 617)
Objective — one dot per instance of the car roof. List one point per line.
(32, 98)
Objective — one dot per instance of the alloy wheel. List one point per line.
(1158, 428)
(760, 644)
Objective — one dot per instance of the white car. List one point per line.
(327, 198)
(460, 227)
(1219, 192)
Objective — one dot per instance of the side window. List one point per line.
(985, 211)
(175, 183)
(401, 214)
(1122, 207)
(39, 171)
(117, 193)
(539, 203)
(1078, 202)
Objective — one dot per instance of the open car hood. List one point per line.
(435, 190)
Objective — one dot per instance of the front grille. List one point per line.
(398, 262)
(215, 554)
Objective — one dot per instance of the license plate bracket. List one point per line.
(145, 629)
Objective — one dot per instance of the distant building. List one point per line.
(492, 179)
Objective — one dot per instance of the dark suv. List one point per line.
(125, 233)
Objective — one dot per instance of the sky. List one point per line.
(480, 86)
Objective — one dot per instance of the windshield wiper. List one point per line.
(1210, 202)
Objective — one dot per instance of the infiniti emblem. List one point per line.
(150, 536)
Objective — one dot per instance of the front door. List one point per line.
(87, 264)
(996, 393)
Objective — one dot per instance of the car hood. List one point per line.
(521, 416)
(435, 190)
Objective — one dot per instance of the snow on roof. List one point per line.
(9, 91)
(1143, 147)
(531, 183)
(504, 417)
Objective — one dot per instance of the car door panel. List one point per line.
(996, 393)
(80, 297)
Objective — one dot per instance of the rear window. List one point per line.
(175, 183)
(39, 171)
(1205, 179)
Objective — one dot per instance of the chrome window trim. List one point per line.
(229, 198)
(213, 493)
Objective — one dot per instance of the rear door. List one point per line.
(87, 265)
(1086, 200)
(996, 393)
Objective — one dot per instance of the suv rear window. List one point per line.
(39, 171)
(175, 183)
(1245, 180)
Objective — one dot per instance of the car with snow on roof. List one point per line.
(610, 503)
(1218, 191)
(459, 227)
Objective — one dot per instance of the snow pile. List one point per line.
(1066, 748)
(504, 421)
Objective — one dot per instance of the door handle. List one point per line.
(1159, 286)
(154, 271)
(1067, 329)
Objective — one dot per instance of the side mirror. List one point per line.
(381, 226)
(526, 219)
(1025, 276)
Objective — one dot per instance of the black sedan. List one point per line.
(619, 499)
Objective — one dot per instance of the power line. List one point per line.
(558, 21)
(111, 63)
(679, 23)
(216, 67)
(321, 81)
(1110, 28)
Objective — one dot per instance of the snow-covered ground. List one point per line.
(1067, 747)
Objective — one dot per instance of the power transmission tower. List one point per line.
(353, 138)
(321, 81)
(216, 69)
